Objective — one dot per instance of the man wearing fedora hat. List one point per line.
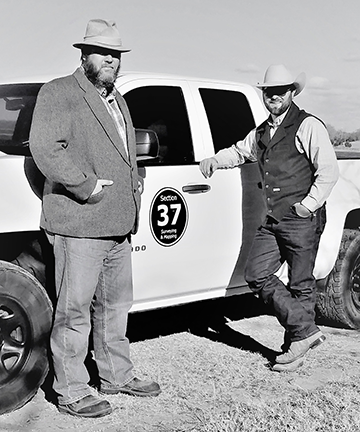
(298, 169)
(83, 141)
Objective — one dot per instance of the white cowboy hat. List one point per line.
(278, 75)
(102, 33)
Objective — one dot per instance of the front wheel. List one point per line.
(340, 302)
(25, 322)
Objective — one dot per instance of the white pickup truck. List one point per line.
(194, 233)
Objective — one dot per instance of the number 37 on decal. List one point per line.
(163, 210)
(168, 216)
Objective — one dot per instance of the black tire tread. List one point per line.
(331, 303)
(15, 401)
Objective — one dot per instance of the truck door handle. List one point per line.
(196, 188)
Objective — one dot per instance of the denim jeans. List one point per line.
(94, 286)
(294, 240)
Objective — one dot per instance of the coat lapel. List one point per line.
(101, 113)
(278, 136)
(262, 137)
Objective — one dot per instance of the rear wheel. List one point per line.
(25, 322)
(340, 303)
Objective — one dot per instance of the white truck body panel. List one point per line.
(202, 262)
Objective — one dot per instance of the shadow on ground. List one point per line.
(206, 319)
(194, 317)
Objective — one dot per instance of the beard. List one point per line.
(99, 77)
(277, 108)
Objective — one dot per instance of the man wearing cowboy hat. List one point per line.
(83, 141)
(298, 168)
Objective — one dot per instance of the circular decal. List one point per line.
(168, 216)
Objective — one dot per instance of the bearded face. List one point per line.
(102, 67)
(278, 99)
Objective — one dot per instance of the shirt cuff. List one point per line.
(310, 203)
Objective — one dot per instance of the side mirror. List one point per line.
(14, 104)
(147, 144)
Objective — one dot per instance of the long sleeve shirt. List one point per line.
(312, 139)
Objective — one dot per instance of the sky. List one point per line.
(232, 40)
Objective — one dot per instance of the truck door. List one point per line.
(190, 230)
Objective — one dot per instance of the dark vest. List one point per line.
(287, 175)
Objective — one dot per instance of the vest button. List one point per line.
(266, 160)
(270, 211)
(267, 173)
(267, 186)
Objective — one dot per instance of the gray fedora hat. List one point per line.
(102, 33)
(278, 75)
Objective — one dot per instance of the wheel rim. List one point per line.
(355, 283)
(15, 339)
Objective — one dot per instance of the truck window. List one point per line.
(17, 103)
(229, 115)
(163, 110)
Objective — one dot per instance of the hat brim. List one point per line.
(80, 45)
(299, 84)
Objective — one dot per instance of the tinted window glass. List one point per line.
(162, 109)
(229, 114)
(17, 103)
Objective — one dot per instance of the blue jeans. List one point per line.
(94, 286)
(294, 240)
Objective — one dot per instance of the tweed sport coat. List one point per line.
(74, 142)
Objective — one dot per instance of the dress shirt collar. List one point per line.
(275, 121)
(108, 97)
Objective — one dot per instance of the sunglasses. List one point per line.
(276, 91)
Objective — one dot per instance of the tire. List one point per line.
(340, 302)
(25, 322)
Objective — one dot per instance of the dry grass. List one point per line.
(219, 381)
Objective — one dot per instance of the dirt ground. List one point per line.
(206, 374)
